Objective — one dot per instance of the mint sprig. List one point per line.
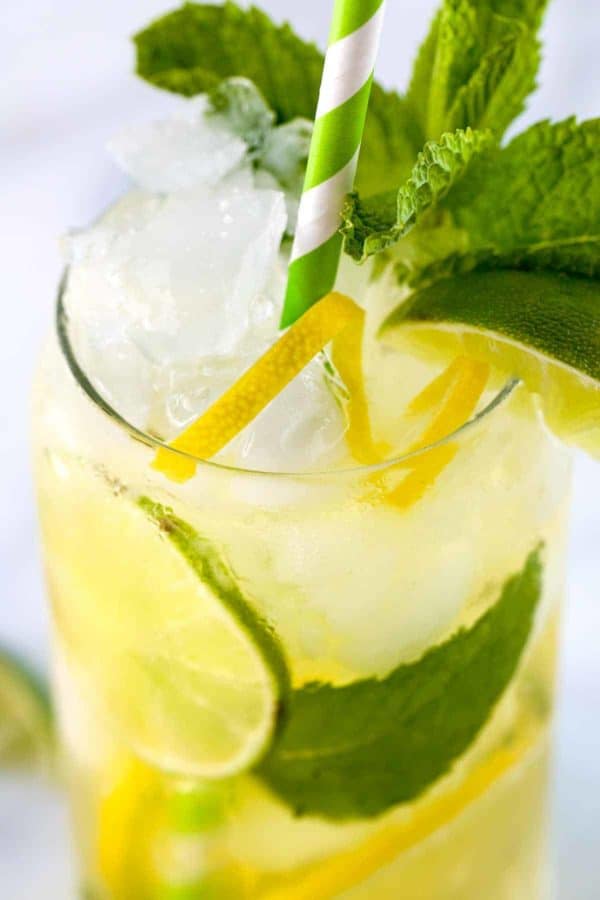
(189, 51)
(537, 200)
(476, 67)
(533, 205)
(371, 225)
(473, 74)
(357, 750)
(193, 49)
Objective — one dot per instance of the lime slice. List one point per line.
(156, 626)
(542, 327)
(25, 717)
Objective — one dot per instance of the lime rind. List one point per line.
(212, 570)
(542, 328)
(159, 636)
(25, 715)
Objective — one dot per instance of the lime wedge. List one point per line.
(542, 327)
(154, 623)
(227, 666)
(25, 717)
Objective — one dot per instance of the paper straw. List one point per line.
(339, 124)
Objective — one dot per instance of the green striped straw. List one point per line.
(339, 124)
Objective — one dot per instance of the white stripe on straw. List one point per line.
(349, 63)
(319, 212)
(334, 152)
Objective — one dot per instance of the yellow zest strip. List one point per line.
(462, 383)
(122, 823)
(433, 394)
(352, 867)
(243, 401)
(347, 359)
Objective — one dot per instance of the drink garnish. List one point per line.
(438, 192)
(26, 727)
(356, 750)
(457, 392)
(540, 326)
(243, 401)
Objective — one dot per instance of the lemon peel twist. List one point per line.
(251, 393)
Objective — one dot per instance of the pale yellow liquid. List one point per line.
(480, 832)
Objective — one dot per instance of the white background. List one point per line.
(66, 86)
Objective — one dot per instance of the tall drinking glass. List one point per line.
(286, 685)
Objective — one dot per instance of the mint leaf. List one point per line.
(189, 51)
(529, 11)
(192, 49)
(538, 199)
(476, 67)
(356, 750)
(371, 225)
(391, 141)
(532, 205)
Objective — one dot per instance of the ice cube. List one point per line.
(302, 429)
(239, 103)
(206, 264)
(186, 288)
(187, 149)
(283, 161)
(285, 153)
(178, 288)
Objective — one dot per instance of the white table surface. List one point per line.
(67, 88)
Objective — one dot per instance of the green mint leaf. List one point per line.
(356, 750)
(538, 199)
(391, 141)
(529, 11)
(193, 49)
(533, 205)
(476, 67)
(371, 225)
(189, 51)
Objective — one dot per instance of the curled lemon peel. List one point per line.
(260, 384)
(123, 829)
(346, 355)
(354, 866)
(456, 393)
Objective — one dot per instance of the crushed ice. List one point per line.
(178, 288)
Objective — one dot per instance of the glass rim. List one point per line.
(83, 381)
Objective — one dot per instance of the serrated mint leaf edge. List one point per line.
(373, 225)
(499, 66)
